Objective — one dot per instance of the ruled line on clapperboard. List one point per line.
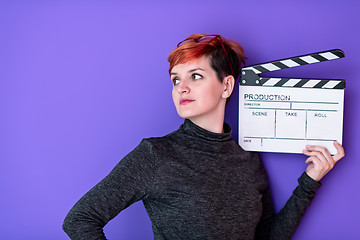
(290, 103)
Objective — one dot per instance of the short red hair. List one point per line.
(191, 49)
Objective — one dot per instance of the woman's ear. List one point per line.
(228, 83)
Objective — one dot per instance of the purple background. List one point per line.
(82, 82)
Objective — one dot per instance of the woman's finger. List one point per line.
(340, 151)
(319, 155)
(322, 160)
(323, 150)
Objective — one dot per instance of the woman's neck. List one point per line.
(213, 122)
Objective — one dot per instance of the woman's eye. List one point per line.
(176, 81)
(196, 76)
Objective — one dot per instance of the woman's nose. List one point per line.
(183, 87)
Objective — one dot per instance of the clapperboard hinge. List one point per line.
(250, 75)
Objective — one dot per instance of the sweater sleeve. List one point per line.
(283, 224)
(127, 183)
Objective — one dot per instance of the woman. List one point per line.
(196, 182)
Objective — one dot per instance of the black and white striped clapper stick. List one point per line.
(250, 75)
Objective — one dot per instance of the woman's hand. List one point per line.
(321, 161)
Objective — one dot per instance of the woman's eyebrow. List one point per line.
(191, 70)
(195, 69)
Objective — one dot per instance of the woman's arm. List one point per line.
(283, 224)
(127, 183)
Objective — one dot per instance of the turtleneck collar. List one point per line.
(192, 129)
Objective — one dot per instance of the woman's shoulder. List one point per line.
(160, 141)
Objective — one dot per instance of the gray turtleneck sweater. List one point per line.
(194, 184)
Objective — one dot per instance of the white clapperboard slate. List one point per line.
(286, 114)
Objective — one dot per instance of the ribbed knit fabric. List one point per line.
(194, 184)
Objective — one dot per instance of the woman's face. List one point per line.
(197, 92)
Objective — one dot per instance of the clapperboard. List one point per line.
(286, 114)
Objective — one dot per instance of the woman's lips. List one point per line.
(185, 101)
